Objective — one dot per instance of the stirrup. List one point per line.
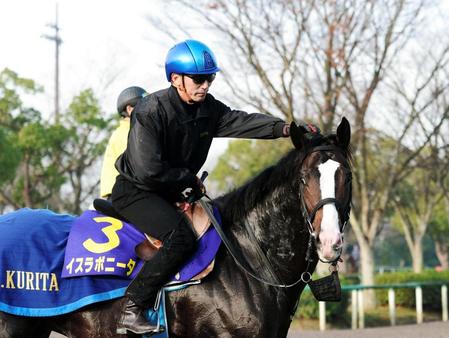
(123, 330)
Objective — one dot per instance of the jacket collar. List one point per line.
(182, 109)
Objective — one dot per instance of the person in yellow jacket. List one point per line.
(126, 102)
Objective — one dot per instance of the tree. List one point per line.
(28, 177)
(439, 231)
(82, 150)
(375, 41)
(415, 203)
(244, 159)
(439, 225)
(43, 164)
(296, 58)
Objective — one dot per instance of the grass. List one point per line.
(373, 318)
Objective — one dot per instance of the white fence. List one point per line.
(357, 307)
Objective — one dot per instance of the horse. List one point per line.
(270, 222)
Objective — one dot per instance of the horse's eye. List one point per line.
(304, 175)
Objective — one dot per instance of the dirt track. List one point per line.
(426, 330)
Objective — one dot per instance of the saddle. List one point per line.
(148, 248)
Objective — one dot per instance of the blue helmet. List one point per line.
(190, 57)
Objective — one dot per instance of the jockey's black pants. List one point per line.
(159, 218)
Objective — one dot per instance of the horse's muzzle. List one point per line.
(329, 246)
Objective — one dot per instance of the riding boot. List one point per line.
(177, 247)
(133, 319)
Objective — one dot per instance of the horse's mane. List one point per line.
(235, 204)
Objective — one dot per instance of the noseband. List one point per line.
(343, 211)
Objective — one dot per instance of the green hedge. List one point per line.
(406, 297)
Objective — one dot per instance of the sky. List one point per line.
(108, 45)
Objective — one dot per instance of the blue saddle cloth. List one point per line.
(32, 250)
(31, 260)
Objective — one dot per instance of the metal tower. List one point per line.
(58, 41)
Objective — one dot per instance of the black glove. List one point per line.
(310, 128)
(197, 192)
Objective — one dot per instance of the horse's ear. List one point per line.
(344, 133)
(297, 135)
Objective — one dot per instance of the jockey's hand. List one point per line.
(197, 191)
(309, 127)
(201, 188)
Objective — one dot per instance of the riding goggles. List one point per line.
(201, 78)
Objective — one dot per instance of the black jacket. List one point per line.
(169, 140)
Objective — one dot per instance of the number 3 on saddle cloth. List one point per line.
(100, 244)
(52, 264)
(144, 247)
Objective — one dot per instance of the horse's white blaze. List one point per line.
(327, 185)
(330, 236)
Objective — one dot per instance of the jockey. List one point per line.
(126, 101)
(169, 140)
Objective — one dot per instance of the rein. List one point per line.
(309, 222)
(234, 255)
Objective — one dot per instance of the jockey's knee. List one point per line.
(183, 238)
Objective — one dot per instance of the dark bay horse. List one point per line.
(268, 221)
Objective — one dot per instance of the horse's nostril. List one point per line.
(336, 247)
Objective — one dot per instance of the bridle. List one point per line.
(343, 215)
(343, 211)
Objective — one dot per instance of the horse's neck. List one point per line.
(277, 225)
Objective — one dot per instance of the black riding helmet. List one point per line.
(129, 96)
